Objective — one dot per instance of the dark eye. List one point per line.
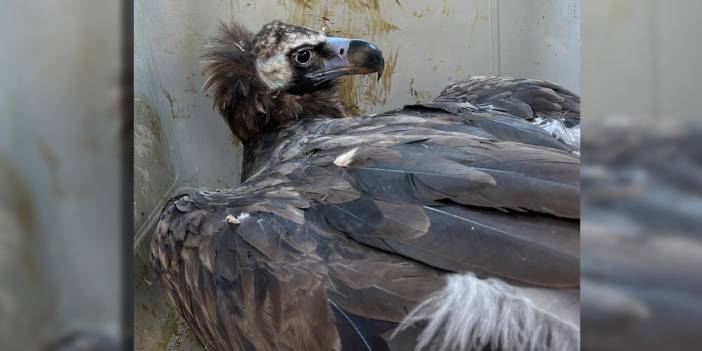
(303, 56)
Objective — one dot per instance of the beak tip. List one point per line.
(362, 57)
(381, 65)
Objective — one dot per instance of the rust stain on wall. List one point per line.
(190, 88)
(171, 101)
(349, 94)
(445, 8)
(357, 91)
(19, 199)
(419, 96)
(382, 91)
(52, 160)
(477, 18)
(307, 13)
(375, 20)
(418, 14)
(148, 116)
(176, 112)
(305, 3)
(359, 5)
(412, 91)
(49, 156)
(154, 123)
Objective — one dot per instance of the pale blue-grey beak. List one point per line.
(350, 56)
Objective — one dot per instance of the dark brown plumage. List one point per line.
(526, 98)
(551, 107)
(344, 225)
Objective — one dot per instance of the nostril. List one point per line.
(341, 52)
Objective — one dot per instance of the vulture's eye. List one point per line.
(303, 56)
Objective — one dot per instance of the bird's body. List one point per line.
(346, 228)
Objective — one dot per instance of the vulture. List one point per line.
(447, 225)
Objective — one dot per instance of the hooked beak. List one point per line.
(347, 57)
(353, 56)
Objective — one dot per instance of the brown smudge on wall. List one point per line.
(152, 121)
(390, 64)
(18, 198)
(412, 91)
(176, 113)
(419, 96)
(358, 92)
(381, 26)
(305, 3)
(375, 21)
(171, 101)
(418, 14)
(49, 156)
(358, 5)
(476, 23)
(144, 108)
(377, 92)
(53, 161)
(349, 94)
(306, 13)
(190, 88)
(18, 202)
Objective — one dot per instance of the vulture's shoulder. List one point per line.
(366, 215)
(525, 98)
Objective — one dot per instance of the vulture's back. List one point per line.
(354, 225)
(551, 107)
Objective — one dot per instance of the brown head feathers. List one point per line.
(251, 107)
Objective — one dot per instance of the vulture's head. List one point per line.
(282, 73)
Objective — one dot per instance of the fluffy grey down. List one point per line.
(471, 313)
(556, 127)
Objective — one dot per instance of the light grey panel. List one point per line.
(541, 39)
(641, 50)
